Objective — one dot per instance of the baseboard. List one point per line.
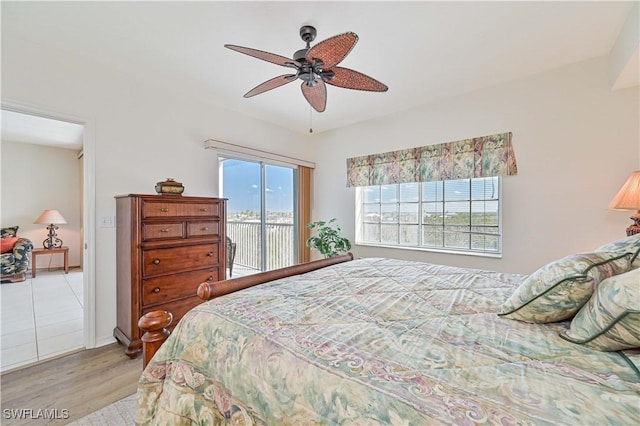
(103, 341)
(56, 268)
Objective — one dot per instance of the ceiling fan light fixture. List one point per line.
(315, 66)
(301, 55)
(327, 75)
(307, 76)
(308, 34)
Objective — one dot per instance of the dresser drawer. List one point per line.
(178, 259)
(199, 229)
(176, 286)
(178, 308)
(167, 209)
(159, 231)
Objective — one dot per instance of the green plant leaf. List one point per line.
(327, 240)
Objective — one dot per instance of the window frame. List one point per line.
(360, 221)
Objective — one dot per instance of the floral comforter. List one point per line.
(380, 341)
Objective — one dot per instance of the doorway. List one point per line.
(78, 284)
(261, 214)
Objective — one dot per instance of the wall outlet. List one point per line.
(107, 221)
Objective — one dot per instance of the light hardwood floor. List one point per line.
(81, 383)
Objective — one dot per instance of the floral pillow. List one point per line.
(11, 231)
(610, 321)
(558, 290)
(625, 245)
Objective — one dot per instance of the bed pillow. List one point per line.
(625, 245)
(6, 244)
(610, 321)
(558, 290)
(11, 231)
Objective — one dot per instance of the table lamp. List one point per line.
(53, 218)
(628, 198)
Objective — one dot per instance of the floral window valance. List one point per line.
(483, 156)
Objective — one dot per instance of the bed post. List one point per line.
(154, 324)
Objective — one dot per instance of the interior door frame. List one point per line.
(88, 209)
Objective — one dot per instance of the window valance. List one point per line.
(483, 156)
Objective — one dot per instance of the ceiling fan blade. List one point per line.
(333, 50)
(316, 95)
(265, 56)
(350, 79)
(281, 80)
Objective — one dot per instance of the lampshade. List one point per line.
(628, 198)
(50, 216)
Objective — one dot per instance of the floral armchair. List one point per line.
(15, 256)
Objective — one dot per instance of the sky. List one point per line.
(241, 185)
(455, 193)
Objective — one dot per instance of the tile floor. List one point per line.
(41, 317)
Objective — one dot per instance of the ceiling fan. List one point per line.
(315, 66)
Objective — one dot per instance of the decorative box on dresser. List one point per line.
(166, 246)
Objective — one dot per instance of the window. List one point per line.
(454, 215)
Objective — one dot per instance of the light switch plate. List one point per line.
(107, 221)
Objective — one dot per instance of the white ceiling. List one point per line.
(424, 51)
(18, 127)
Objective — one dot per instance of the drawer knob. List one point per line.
(164, 210)
(204, 229)
(210, 254)
(156, 261)
(210, 278)
(156, 290)
(164, 230)
(203, 209)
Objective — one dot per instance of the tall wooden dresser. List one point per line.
(166, 246)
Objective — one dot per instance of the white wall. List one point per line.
(142, 135)
(37, 178)
(576, 142)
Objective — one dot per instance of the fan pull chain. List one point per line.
(310, 120)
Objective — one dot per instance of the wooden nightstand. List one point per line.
(37, 251)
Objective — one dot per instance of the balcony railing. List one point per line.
(279, 247)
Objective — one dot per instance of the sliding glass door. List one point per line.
(279, 226)
(261, 213)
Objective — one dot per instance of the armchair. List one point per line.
(15, 262)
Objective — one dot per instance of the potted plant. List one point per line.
(328, 240)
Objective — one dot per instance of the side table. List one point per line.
(37, 251)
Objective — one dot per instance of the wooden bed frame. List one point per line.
(155, 323)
